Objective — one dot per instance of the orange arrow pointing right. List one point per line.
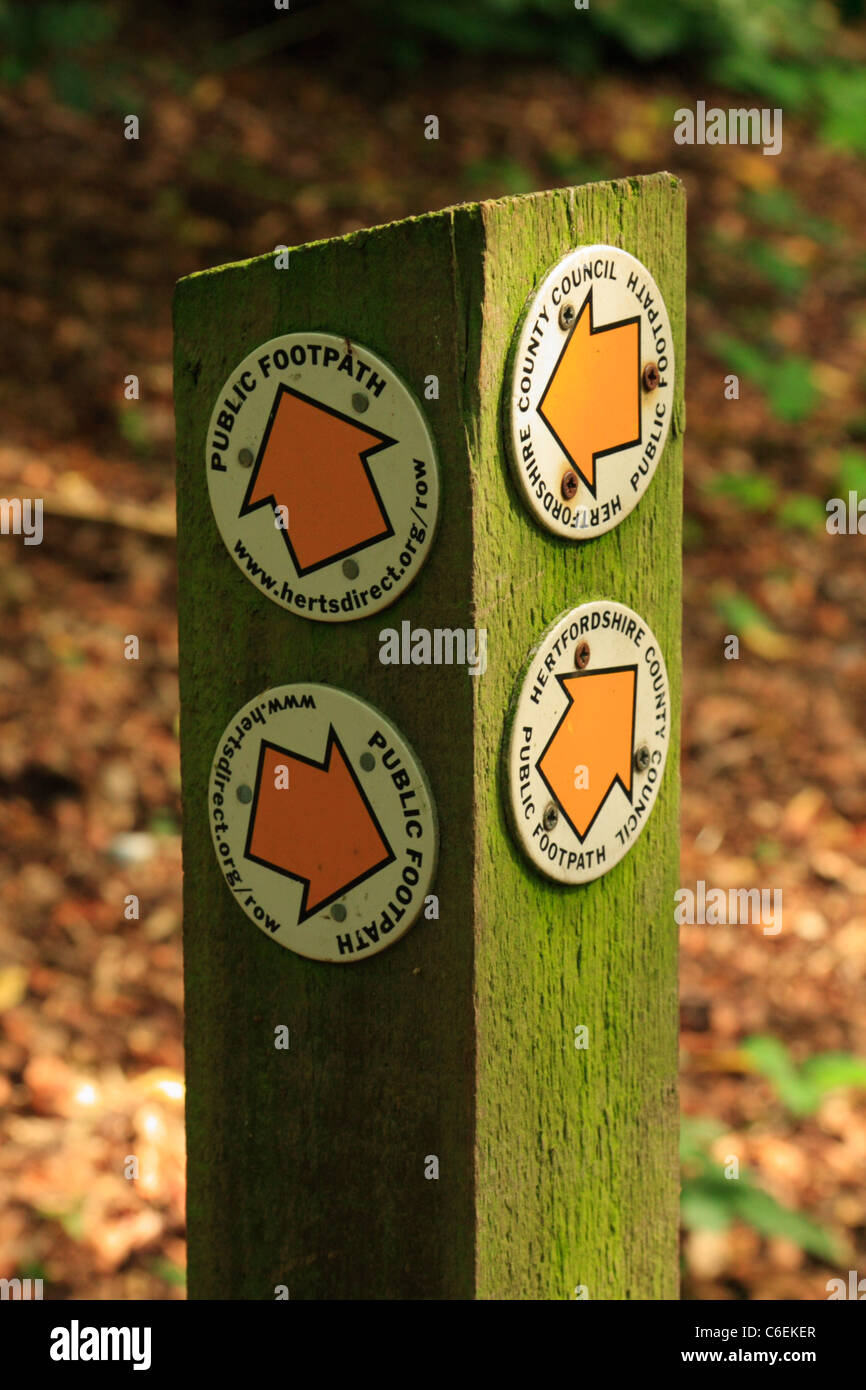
(592, 746)
(320, 829)
(591, 404)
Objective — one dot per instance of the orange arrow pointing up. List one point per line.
(320, 829)
(314, 461)
(591, 404)
(592, 746)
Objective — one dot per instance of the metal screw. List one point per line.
(245, 458)
(360, 402)
(650, 376)
(550, 817)
(566, 316)
(245, 793)
(338, 912)
(350, 569)
(641, 758)
(581, 655)
(367, 761)
(568, 486)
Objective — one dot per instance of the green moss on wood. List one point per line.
(557, 1167)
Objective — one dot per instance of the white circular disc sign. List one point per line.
(322, 821)
(591, 392)
(588, 742)
(322, 475)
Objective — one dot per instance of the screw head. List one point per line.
(566, 316)
(245, 458)
(338, 912)
(641, 758)
(245, 793)
(568, 486)
(350, 569)
(360, 402)
(367, 761)
(550, 817)
(650, 376)
(581, 655)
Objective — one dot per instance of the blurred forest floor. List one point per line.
(228, 166)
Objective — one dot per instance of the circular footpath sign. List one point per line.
(322, 476)
(588, 741)
(592, 392)
(322, 822)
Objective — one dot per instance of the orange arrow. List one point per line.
(314, 461)
(596, 733)
(320, 829)
(591, 404)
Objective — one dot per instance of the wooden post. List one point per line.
(557, 1167)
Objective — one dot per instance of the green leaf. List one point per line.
(501, 176)
(802, 512)
(801, 1089)
(71, 85)
(785, 381)
(740, 613)
(693, 532)
(170, 1273)
(768, 851)
(767, 1216)
(852, 471)
(828, 1071)
(792, 392)
(778, 207)
(772, 1060)
(843, 91)
(710, 1201)
(163, 822)
(696, 1135)
(706, 1204)
(754, 491)
(788, 85)
(776, 267)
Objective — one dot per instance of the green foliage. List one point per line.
(503, 176)
(768, 851)
(785, 381)
(789, 52)
(740, 613)
(170, 1273)
(756, 492)
(802, 512)
(710, 1201)
(753, 491)
(786, 51)
(749, 35)
(132, 425)
(801, 1089)
(571, 167)
(781, 209)
(842, 95)
(163, 822)
(51, 38)
(773, 265)
(693, 533)
(852, 472)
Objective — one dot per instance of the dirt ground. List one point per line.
(774, 780)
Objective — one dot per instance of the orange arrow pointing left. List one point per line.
(592, 746)
(314, 462)
(591, 404)
(320, 829)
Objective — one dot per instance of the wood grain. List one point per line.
(557, 1167)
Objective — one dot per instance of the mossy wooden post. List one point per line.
(557, 1167)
